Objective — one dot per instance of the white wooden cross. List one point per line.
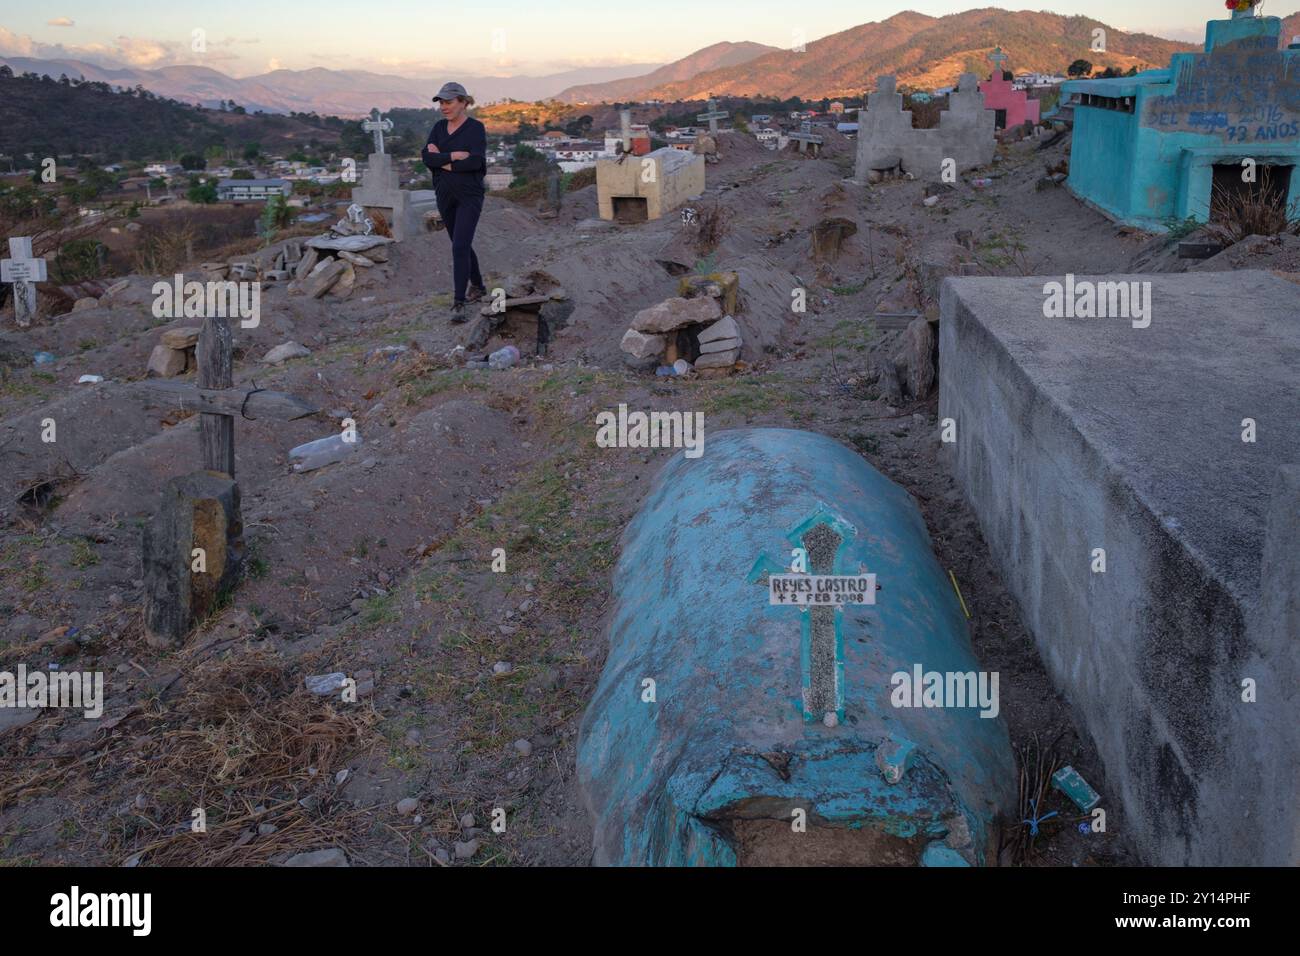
(379, 126)
(23, 270)
(713, 115)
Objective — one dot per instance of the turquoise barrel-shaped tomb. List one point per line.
(726, 730)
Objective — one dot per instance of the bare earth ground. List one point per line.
(380, 566)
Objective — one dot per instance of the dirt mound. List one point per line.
(733, 145)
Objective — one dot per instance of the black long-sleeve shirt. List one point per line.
(466, 175)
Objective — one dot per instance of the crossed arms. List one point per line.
(459, 161)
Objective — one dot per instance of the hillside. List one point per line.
(924, 51)
(717, 57)
(48, 118)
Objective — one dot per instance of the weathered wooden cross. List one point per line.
(806, 137)
(820, 593)
(378, 125)
(712, 115)
(214, 396)
(23, 270)
(193, 546)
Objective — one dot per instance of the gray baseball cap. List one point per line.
(450, 91)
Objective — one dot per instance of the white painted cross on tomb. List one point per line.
(713, 114)
(378, 125)
(820, 590)
(23, 270)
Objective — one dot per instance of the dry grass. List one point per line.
(714, 224)
(1261, 211)
(245, 742)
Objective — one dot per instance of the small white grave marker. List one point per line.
(23, 271)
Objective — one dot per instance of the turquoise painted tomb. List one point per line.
(1151, 149)
(731, 728)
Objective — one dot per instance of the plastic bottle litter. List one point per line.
(981, 183)
(665, 371)
(504, 357)
(681, 366)
(90, 380)
(43, 358)
(322, 452)
(324, 684)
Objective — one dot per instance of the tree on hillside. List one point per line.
(1079, 68)
(205, 193)
(190, 161)
(252, 151)
(529, 164)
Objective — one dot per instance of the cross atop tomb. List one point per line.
(713, 114)
(996, 58)
(822, 536)
(379, 125)
(23, 270)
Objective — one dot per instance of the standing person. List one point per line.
(457, 155)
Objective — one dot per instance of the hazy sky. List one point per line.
(501, 37)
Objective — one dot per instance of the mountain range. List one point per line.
(347, 93)
(921, 51)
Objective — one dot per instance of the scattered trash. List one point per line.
(981, 183)
(1068, 781)
(930, 201)
(322, 452)
(504, 358)
(682, 366)
(43, 358)
(90, 380)
(323, 685)
(387, 352)
(665, 371)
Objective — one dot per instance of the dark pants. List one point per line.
(460, 216)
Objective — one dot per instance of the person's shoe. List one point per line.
(475, 293)
(458, 314)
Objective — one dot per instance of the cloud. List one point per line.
(138, 51)
(62, 22)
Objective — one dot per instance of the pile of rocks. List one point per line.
(174, 354)
(528, 308)
(327, 263)
(694, 329)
